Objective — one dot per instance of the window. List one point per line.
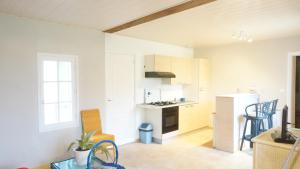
(57, 91)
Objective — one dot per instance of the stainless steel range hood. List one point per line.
(159, 75)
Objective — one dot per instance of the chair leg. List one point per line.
(244, 132)
(270, 122)
(257, 130)
(262, 124)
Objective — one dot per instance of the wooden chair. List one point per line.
(90, 122)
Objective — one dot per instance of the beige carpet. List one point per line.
(184, 152)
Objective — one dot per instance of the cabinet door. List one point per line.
(202, 112)
(203, 73)
(193, 117)
(188, 68)
(176, 69)
(163, 63)
(183, 119)
(188, 118)
(182, 67)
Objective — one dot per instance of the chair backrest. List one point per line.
(252, 108)
(274, 106)
(260, 109)
(266, 108)
(91, 121)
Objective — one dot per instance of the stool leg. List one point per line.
(257, 124)
(244, 132)
(263, 125)
(270, 122)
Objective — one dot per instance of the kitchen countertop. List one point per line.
(147, 106)
(236, 94)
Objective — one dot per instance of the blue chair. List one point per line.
(272, 112)
(95, 161)
(256, 113)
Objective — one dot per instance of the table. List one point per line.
(271, 155)
(71, 164)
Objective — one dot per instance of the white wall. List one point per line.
(20, 39)
(261, 66)
(139, 48)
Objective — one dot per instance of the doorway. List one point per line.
(297, 93)
(120, 91)
(293, 88)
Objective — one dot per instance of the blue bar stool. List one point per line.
(256, 114)
(272, 112)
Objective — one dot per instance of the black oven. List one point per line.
(169, 119)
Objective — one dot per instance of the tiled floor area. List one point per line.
(191, 151)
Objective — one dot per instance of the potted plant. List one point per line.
(84, 145)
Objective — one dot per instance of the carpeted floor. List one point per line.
(184, 152)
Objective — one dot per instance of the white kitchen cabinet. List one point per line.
(182, 67)
(203, 111)
(198, 115)
(192, 117)
(203, 74)
(158, 63)
(184, 119)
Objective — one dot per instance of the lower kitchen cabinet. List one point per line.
(184, 113)
(192, 117)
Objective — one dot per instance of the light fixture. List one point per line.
(242, 36)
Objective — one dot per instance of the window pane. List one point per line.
(65, 112)
(51, 113)
(65, 69)
(50, 92)
(65, 91)
(50, 70)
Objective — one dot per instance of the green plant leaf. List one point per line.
(84, 142)
(90, 134)
(71, 145)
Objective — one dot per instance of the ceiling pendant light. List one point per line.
(242, 36)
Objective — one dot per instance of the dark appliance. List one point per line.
(284, 137)
(169, 119)
(159, 75)
(297, 93)
(162, 103)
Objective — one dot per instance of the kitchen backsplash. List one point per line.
(163, 93)
(171, 92)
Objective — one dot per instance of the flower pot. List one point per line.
(81, 157)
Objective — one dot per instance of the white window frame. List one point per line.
(60, 125)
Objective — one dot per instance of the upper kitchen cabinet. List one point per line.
(182, 68)
(204, 74)
(158, 63)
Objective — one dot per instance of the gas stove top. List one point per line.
(162, 103)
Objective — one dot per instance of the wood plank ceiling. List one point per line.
(97, 14)
(169, 11)
(206, 25)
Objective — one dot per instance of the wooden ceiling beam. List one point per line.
(169, 11)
